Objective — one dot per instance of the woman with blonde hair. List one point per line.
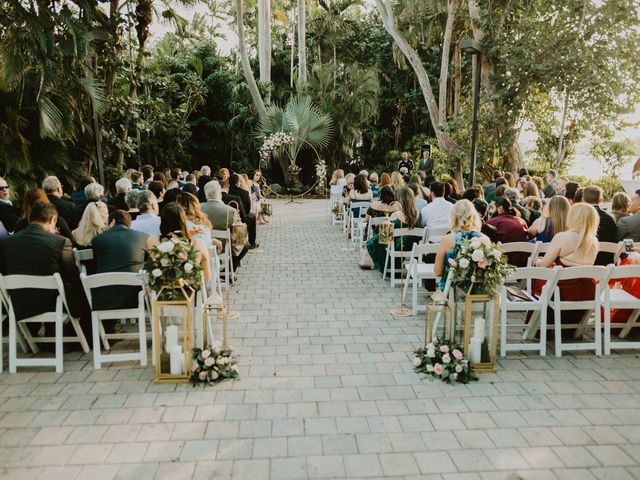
(552, 221)
(93, 222)
(349, 179)
(397, 180)
(198, 224)
(620, 204)
(407, 216)
(336, 176)
(465, 224)
(577, 246)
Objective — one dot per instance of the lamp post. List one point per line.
(473, 48)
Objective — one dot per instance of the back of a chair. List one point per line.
(591, 272)
(409, 232)
(336, 191)
(529, 248)
(422, 249)
(434, 235)
(374, 222)
(37, 282)
(112, 279)
(531, 274)
(623, 271)
(358, 208)
(615, 249)
(225, 237)
(83, 255)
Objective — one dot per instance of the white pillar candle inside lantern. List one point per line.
(172, 338)
(176, 360)
(478, 328)
(475, 350)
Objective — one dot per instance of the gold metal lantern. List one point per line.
(385, 232)
(438, 313)
(266, 208)
(238, 231)
(480, 318)
(171, 322)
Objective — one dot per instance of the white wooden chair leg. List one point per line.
(543, 332)
(503, 332)
(607, 331)
(12, 345)
(103, 336)
(414, 297)
(26, 334)
(558, 331)
(630, 324)
(95, 332)
(597, 326)
(59, 350)
(80, 334)
(24, 346)
(533, 326)
(1, 344)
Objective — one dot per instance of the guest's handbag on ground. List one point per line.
(365, 259)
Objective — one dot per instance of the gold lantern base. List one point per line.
(400, 312)
(435, 308)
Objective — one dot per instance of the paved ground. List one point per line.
(326, 390)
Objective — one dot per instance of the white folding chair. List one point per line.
(434, 235)
(393, 254)
(4, 315)
(374, 222)
(226, 262)
(448, 294)
(116, 279)
(613, 248)
(81, 256)
(599, 275)
(335, 196)
(530, 248)
(58, 316)
(417, 271)
(537, 305)
(621, 300)
(357, 214)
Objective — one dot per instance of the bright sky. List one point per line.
(584, 164)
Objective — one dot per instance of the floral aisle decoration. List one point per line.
(213, 365)
(445, 361)
(480, 265)
(273, 142)
(321, 177)
(173, 264)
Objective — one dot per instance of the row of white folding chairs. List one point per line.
(605, 298)
(537, 249)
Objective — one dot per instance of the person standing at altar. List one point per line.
(405, 162)
(426, 162)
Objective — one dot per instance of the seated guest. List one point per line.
(256, 196)
(205, 170)
(578, 196)
(482, 207)
(148, 221)
(94, 192)
(550, 190)
(510, 178)
(629, 226)
(337, 177)
(176, 176)
(38, 250)
(620, 204)
(510, 227)
(66, 209)
(417, 193)
(373, 185)
(29, 200)
(79, 197)
(348, 186)
(118, 249)
(561, 186)
(385, 179)
(553, 220)
(360, 191)
(131, 199)
(147, 175)
(190, 187)
(173, 184)
(225, 176)
(236, 189)
(202, 181)
(530, 189)
(117, 201)
(514, 197)
(490, 188)
(3, 232)
(455, 190)
(607, 229)
(170, 195)
(407, 216)
(576, 246)
(222, 216)
(173, 223)
(385, 206)
(157, 188)
(9, 214)
(93, 222)
(397, 180)
(533, 204)
(570, 191)
(540, 184)
(447, 193)
(160, 177)
(137, 180)
(465, 224)
(436, 214)
(198, 223)
(472, 193)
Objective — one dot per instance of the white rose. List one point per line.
(429, 368)
(458, 368)
(417, 361)
(455, 376)
(222, 361)
(464, 263)
(477, 255)
(209, 361)
(164, 262)
(475, 243)
(214, 375)
(165, 247)
(156, 273)
(431, 352)
(188, 267)
(446, 358)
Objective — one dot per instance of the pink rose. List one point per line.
(437, 369)
(452, 262)
(482, 264)
(444, 349)
(194, 367)
(457, 354)
(202, 376)
(182, 256)
(206, 353)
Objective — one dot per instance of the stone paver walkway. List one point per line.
(326, 390)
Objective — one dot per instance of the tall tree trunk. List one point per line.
(302, 42)
(560, 154)
(293, 48)
(264, 39)
(452, 7)
(445, 141)
(457, 83)
(258, 102)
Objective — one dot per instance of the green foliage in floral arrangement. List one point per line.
(444, 360)
(174, 262)
(213, 365)
(477, 261)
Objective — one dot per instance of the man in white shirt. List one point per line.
(148, 221)
(436, 214)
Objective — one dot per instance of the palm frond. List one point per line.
(51, 119)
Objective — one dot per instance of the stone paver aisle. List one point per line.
(327, 390)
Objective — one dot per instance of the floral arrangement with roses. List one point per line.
(273, 142)
(173, 262)
(444, 360)
(477, 261)
(213, 365)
